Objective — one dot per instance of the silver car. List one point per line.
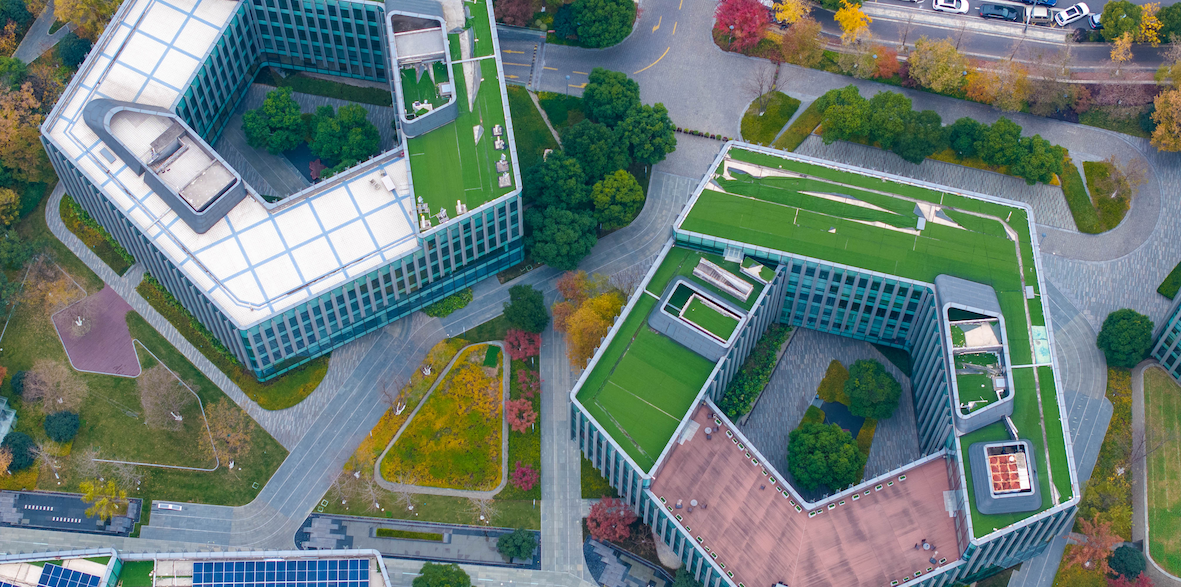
(1065, 17)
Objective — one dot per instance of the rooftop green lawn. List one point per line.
(642, 386)
(425, 89)
(975, 387)
(681, 262)
(716, 323)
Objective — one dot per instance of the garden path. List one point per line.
(37, 39)
(470, 494)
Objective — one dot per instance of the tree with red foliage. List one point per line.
(748, 19)
(574, 286)
(1094, 550)
(529, 381)
(610, 519)
(525, 477)
(886, 62)
(522, 345)
(514, 12)
(1143, 580)
(520, 415)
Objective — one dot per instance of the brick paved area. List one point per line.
(106, 346)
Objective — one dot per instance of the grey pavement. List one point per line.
(37, 39)
(793, 387)
(456, 543)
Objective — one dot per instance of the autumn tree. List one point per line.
(1121, 51)
(1150, 25)
(1141, 580)
(525, 477)
(529, 382)
(885, 62)
(514, 12)
(21, 151)
(1167, 116)
(48, 288)
(610, 520)
(853, 21)
(742, 22)
(802, 44)
(587, 326)
(1005, 85)
(791, 11)
(574, 286)
(10, 206)
(1095, 548)
(5, 460)
(522, 345)
(56, 386)
(89, 17)
(106, 500)
(520, 415)
(8, 42)
(937, 65)
(230, 428)
(858, 59)
(163, 397)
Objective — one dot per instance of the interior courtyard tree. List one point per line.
(61, 426)
(610, 520)
(1125, 338)
(872, 391)
(276, 125)
(344, 137)
(823, 455)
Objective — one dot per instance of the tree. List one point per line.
(515, 12)
(560, 238)
(344, 137)
(823, 455)
(21, 151)
(648, 133)
(684, 578)
(106, 500)
(1120, 17)
(1143, 580)
(12, 72)
(742, 21)
(1170, 19)
(609, 96)
(1006, 85)
(1094, 549)
(618, 199)
(519, 543)
(5, 460)
(602, 23)
(61, 427)
(10, 206)
(937, 65)
(8, 42)
(854, 23)
(163, 397)
(873, 392)
(922, 136)
(857, 58)
(1121, 50)
(89, 17)
(276, 125)
(610, 520)
(791, 11)
(1121, 181)
(522, 344)
(888, 115)
(441, 575)
(1128, 561)
(230, 428)
(762, 84)
(802, 44)
(525, 309)
(886, 62)
(587, 326)
(1000, 144)
(18, 383)
(575, 286)
(1150, 25)
(520, 415)
(16, 11)
(20, 446)
(525, 477)
(529, 381)
(1125, 338)
(557, 181)
(1167, 116)
(594, 146)
(55, 386)
(1040, 162)
(846, 115)
(73, 50)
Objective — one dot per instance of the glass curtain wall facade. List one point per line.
(1168, 346)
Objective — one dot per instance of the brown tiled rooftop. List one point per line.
(760, 537)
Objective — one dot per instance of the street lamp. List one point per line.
(731, 39)
(567, 85)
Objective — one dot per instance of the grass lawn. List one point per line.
(281, 392)
(94, 236)
(1120, 119)
(563, 110)
(799, 130)
(1162, 407)
(532, 135)
(450, 443)
(408, 535)
(1171, 284)
(494, 329)
(718, 324)
(521, 513)
(976, 387)
(303, 84)
(137, 573)
(415, 89)
(762, 129)
(1086, 218)
(594, 484)
(1111, 209)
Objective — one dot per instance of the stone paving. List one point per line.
(793, 387)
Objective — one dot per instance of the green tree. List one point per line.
(525, 309)
(1128, 561)
(602, 23)
(609, 96)
(819, 454)
(557, 181)
(1000, 144)
(519, 543)
(1125, 338)
(873, 392)
(594, 146)
(15, 10)
(61, 426)
(685, 579)
(442, 575)
(1170, 19)
(12, 72)
(560, 238)
(344, 137)
(1119, 17)
(106, 500)
(888, 115)
(648, 133)
(13, 251)
(846, 115)
(1040, 161)
(89, 17)
(73, 50)
(21, 447)
(276, 125)
(618, 199)
(10, 206)
(922, 136)
(937, 65)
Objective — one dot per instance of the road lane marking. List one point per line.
(511, 51)
(657, 60)
(674, 27)
(518, 64)
(579, 86)
(682, 5)
(550, 68)
(510, 76)
(582, 72)
(658, 21)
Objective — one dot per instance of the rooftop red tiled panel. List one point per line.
(762, 539)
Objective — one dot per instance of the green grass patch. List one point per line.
(1057, 442)
(799, 130)
(137, 573)
(94, 236)
(975, 387)
(594, 484)
(1162, 398)
(303, 84)
(1171, 284)
(716, 323)
(1121, 119)
(423, 90)
(562, 110)
(1112, 209)
(529, 129)
(521, 513)
(279, 393)
(762, 128)
(813, 415)
(492, 356)
(1086, 218)
(408, 535)
(494, 329)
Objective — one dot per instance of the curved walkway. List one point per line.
(1140, 530)
(470, 494)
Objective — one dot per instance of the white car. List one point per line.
(1065, 17)
(168, 506)
(956, 6)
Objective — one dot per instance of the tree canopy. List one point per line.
(888, 115)
(525, 309)
(21, 447)
(73, 50)
(618, 199)
(937, 64)
(602, 23)
(276, 125)
(89, 17)
(594, 146)
(922, 135)
(12, 72)
(442, 575)
(1125, 338)
(61, 426)
(873, 392)
(846, 114)
(557, 181)
(610, 519)
(963, 135)
(609, 96)
(819, 454)
(1039, 161)
(1000, 143)
(344, 137)
(1119, 17)
(1128, 561)
(741, 22)
(560, 238)
(519, 543)
(649, 133)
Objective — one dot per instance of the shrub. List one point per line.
(18, 383)
(1127, 561)
(832, 387)
(525, 477)
(749, 382)
(449, 304)
(61, 426)
(520, 415)
(525, 309)
(21, 447)
(813, 414)
(873, 392)
(442, 575)
(1126, 338)
(865, 436)
(519, 544)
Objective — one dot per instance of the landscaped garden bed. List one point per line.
(94, 236)
(761, 128)
(1171, 284)
(408, 535)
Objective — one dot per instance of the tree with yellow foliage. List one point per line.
(89, 17)
(854, 23)
(587, 326)
(1167, 116)
(1150, 24)
(789, 11)
(107, 500)
(20, 141)
(8, 38)
(1121, 50)
(10, 206)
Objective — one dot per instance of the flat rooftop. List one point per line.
(786, 203)
(758, 535)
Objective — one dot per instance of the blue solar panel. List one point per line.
(55, 576)
(301, 573)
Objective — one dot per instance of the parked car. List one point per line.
(1002, 11)
(955, 6)
(1040, 15)
(1065, 17)
(1094, 23)
(168, 506)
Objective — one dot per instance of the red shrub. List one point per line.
(610, 519)
(522, 345)
(514, 12)
(529, 381)
(524, 477)
(520, 415)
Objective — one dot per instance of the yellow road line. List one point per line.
(579, 86)
(658, 21)
(518, 64)
(657, 60)
(674, 27)
(582, 72)
(550, 68)
(682, 5)
(510, 76)
(511, 51)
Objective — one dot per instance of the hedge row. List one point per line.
(698, 133)
(449, 304)
(92, 234)
(755, 373)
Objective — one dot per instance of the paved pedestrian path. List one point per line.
(38, 40)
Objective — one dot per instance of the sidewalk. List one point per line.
(38, 40)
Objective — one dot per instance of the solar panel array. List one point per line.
(281, 573)
(55, 576)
